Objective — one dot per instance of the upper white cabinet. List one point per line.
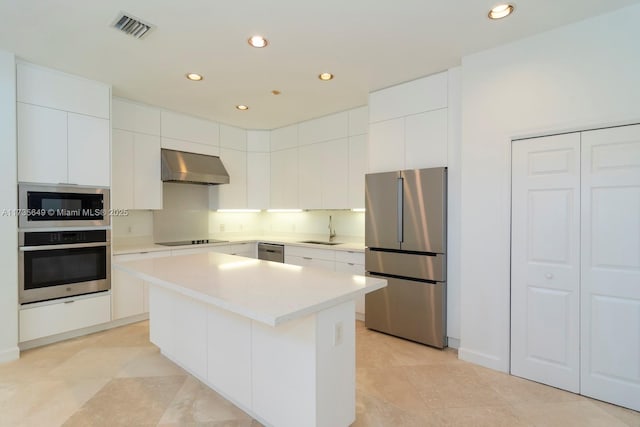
(233, 137)
(335, 174)
(258, 180)
(186, 133)
(310, 176)
(357, 170)
(63, 128)
(234, 194)
(425, 94)
(283, 138)
(50, 88)
(409, 125)
(284, 179)
(135, 117)
(322, 129)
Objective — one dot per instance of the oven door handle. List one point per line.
(71, 246)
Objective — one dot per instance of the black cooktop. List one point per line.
(192, 242)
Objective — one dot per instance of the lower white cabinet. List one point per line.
(64, 316)
(309, 257)
(129, 293)
(351, 262)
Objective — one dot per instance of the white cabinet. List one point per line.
(135, 117)
(335, 174)
(234, 194)
(284, 178)
(309, 257)
(357, 170)
(233, 137)
(54, 89)
(283, 138)
(325, 128)
(88, 150)
(42, 144)
(129, 293)
(310, 182)
(187, 128)
(258, 180)
(353, 263)
(43, 320)
(136, 164)
(359, 121)
(386, 146)
(190, 147)
(60, 147)
(426, 140)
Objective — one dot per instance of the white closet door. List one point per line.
(611, 265)
(545, 272)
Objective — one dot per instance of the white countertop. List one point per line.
(121, 246)
(268, 292)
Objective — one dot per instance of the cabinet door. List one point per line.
(134, 117)
(386, 146)
(335, 174)
(234, 194)
(284, 178)
(42, 144)
(351, 268)
(187, 128)
(258, 180)
(147, 184)
(357, 170)
(128, 294)
(310, 180)
(426, 140)
(123, 170)
(89, 151)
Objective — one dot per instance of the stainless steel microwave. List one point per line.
(44, 205)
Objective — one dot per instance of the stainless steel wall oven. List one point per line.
(58, 264)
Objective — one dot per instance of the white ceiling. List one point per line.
(367, 44)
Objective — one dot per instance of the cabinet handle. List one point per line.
(69, 302)
(350, 263)
(306, 257)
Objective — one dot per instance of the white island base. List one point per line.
(299, 373)
(276, 340)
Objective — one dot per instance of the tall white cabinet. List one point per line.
(63, 128)
(575, 285)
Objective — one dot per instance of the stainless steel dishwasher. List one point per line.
(271, 252)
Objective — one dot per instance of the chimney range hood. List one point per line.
(180, 166)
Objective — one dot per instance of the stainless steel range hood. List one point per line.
(180, 166)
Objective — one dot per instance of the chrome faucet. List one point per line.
(332, 231)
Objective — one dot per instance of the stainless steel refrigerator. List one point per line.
(406, 239)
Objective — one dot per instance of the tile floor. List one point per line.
(117, 378)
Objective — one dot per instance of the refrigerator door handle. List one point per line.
(400, 193)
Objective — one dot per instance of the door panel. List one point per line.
(610, 320)
(545, 256)
(424, 213)
(381, 217)
(399, 309)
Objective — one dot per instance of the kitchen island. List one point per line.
(277, 340)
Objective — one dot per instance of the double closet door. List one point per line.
(575, 263)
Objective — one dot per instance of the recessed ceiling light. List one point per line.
(325, 76)
(501, 11)
(276, 92)
(242, 107)
(195, 77)
(258, 41)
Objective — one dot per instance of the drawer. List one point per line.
(64, 316)
(350, 257)
(246, 249)
(351, 268)
(313, 253)
(309, 262)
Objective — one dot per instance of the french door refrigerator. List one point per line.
(406, 239)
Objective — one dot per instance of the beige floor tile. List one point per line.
(566, 414)
(482, 416)
(372, 411)
(390, 385)
(135, 335)
(47, 402)
(149, 362)
(196, 404)
(95, 362)
(128, 402)
(627, 416)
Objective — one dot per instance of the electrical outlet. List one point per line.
(222, 228)
(129, 229)
(337, 334)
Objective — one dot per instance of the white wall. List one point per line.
(8, 200)
(579, 76)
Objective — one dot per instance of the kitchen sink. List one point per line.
(320, 242)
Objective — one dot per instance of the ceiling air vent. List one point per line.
(131, 26)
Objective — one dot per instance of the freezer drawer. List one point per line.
(417, 266)
(409, 309)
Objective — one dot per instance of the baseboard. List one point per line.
(9, 354)
(360, 316)
(453, 342)
(482, 359)
(81, 332)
